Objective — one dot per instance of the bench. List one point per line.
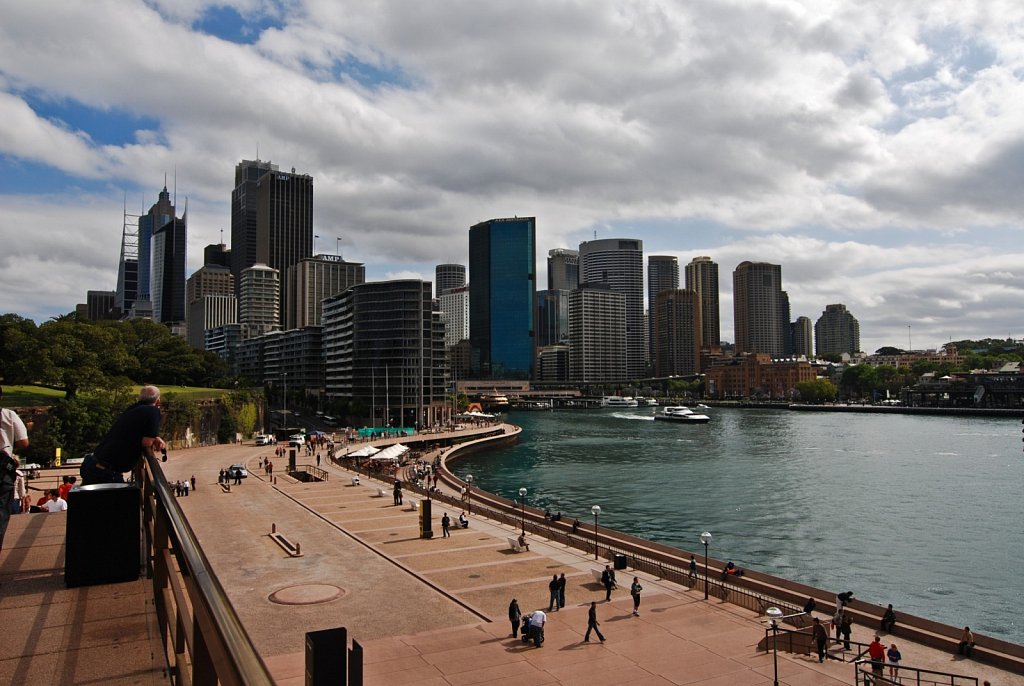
(381, 493)
(414, 506)
(597, 575)
(513, 544)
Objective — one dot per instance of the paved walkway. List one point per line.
(421, 607)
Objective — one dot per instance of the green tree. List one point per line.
(75, 355)
(19, 349)
(858, 380)
(817, 391)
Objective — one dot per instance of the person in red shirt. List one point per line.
(66, 486)
(877, 652)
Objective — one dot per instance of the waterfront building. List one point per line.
(297, 356)
(662, 275)
(619, 262)
(760, 309)
(702, 278)
(384, 348)
(563, 269)
(249, 358)
(271, 221)
(314, 278)
(447, 277)
(947, 355)
(502, 290)
(597, 334)
(259, 304)
(167, 279)
(803, 339)
(552, 317)
(553, 364)
(210, 312)
(837, 331)
(454, 304)
(677, 333)
(755, 376)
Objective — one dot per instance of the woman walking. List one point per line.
(514, 615)
(634, 590)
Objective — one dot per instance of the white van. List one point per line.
(297, 439)
(262, 439)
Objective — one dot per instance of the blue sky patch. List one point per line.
(370, 75)
(105, 127)
(227, 24)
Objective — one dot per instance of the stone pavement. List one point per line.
(434, 611)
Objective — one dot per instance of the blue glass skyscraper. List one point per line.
(502, 292)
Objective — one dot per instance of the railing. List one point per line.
(908, 676)
(204, 640)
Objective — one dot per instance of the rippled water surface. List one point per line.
(924, 512)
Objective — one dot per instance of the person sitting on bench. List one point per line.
(522, 542)
(463, 521)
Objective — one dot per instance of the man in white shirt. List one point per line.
(55, 503)
(537, 621)
(13, 436)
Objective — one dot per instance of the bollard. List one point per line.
(298, 548)
(273, 527)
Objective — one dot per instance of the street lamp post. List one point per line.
(284, 410)
(596, 510)
(522, 502)
(775, 614)
(469, 493)
(705, 538)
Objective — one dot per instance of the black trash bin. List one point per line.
(620, 561)
(103, 534)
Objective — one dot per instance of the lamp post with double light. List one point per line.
(775, 614)
(522, 502)
(596, 511)
(705, 538)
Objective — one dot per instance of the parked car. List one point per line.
(298, 439)
(239, 468)
(262, 439)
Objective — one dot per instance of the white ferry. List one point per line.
(619, 401)
(681, 415)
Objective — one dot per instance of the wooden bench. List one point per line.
(513, 544)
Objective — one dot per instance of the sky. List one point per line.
(874, 149)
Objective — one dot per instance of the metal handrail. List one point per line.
(912, 676)
(193, 610)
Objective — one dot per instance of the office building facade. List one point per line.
(312, 280)
(619, 262)
(597, 334)
(454, 304)
(502, 293)
(259, 307)
(837, 331)
(662, 275)
(167, 279)
(803, 338)
(677, 333)
(210, 312)
(702, 279)
(563, 269)
(552, 317)
(761, 309)
(447, 277)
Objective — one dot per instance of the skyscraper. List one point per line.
(597, 334)
(167, 279)
(702, 278)
(803, 338)
(552, 317)
(662, 275)
(312, 280)
(563, 269)
(218, 254)
(760, 309)
(271, 220)
(159, 214)
(619, 262)
(259, 307)
(677, 332)
(209, 301)
(836, 331)
(502, 290)
(454, 304)
(448, 276)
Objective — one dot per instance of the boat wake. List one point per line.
(623, 415)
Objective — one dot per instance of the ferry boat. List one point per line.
(647, 402)
(681, 415)
(619, 401)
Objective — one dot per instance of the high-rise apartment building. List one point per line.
(619, 262)
(836, 331)
(563, 269)
(803, 338)
(454, 304)
(209, 301)
(677, 333)
(448, 276)
(552, 317)
(259, 307)
(271, 220)
(662, 275)
(167, 279)
(502, 291)
(384, 349)
(760, 309)
(702, 279)
(597, 334)
(312, 280)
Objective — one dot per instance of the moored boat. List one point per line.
(619, 401)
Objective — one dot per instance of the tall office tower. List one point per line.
(215, 282)
(312, 280)
(662, 275)
(803, 340)
(552, 317)
(760, 308)
(563, 269)
(448, 276)
(836, 331)
(677, 333)
(384, 349)
(271, 220)
(502, 291)
(454, 304)
(259, 307)
(702, 278)
(167, 278)
(218, 254)
(619, 262)
(159, 215)
(127, 290)
(100, 305)
(597, 334)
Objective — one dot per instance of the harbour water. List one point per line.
(924, 512)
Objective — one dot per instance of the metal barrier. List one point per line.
(204, 640)
(908, 676)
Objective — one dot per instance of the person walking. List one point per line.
(846, 628)
(537, 622)
(894, 659)
(445, 523)
(514, 616)
(634, 590)
(398, 492)
(561, 590)
(592, 623)
(820, 636)
(553, 593)
(876, 651)
(693, 568)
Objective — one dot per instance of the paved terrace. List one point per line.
(428, 612)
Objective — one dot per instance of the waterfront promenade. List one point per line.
(426, 611)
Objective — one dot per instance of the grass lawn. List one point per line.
(31, 396)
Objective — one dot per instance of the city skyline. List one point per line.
(868, 149)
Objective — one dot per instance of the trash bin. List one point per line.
(620, 561)
(103, 534)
